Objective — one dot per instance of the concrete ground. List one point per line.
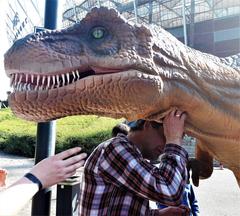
(217, 196)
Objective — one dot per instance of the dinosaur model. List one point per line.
(107, 66)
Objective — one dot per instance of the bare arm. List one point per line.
(49, 171)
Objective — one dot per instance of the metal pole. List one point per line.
(192, 24)
(184, 22)
(150, 4)
(135, 5)
(46, 131)
(46, 137)
(68, 193)
(99, 3)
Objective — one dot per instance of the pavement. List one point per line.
(217, 196)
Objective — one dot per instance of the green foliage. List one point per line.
(20, 145)
(18, 136)
(5, 114)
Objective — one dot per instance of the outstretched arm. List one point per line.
(49, 171)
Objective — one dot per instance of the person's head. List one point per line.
(149, 137)
(120, 128)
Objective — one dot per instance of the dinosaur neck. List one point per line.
(178, 61)
(207, 87)
(204, 67)
(218, 83)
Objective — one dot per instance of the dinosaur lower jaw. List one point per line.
(131, 95)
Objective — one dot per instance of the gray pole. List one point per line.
(150, 5)
(192, 24)
(46, 131)
(135, 5)
(184, 22)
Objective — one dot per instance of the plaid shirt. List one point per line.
(117, 180)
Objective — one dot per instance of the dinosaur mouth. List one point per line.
(36, 82)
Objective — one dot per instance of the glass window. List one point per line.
(228, 34)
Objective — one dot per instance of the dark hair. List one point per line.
(120, 128)
(138, 125)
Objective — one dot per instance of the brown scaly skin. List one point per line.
(129, 71)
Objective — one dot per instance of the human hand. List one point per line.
(173, 211)
(57, 168)
(173, 125)
(3, 175)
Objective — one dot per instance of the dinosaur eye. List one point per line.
(98, 32)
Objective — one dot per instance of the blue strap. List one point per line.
(34, 179)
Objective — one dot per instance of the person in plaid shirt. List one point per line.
(118, 180)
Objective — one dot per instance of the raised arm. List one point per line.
(122, 165)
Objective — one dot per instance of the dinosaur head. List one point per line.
(103, 65)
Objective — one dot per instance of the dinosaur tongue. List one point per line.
(102, 70)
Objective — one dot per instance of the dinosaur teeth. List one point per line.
(28, 82)
(16, 87)
(24, 87)
(48, 81)
(16, 78)
(63, 80)
(38, 78)
(68, 78)
(43, 80)
(53, 81)
(19, 87)
(29, 87)
(20, 79)
(58, 81)
(78, 75)
(74, 76)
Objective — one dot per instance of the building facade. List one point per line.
(211, 26)
(22, 17)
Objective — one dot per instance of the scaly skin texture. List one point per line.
(107, 66)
